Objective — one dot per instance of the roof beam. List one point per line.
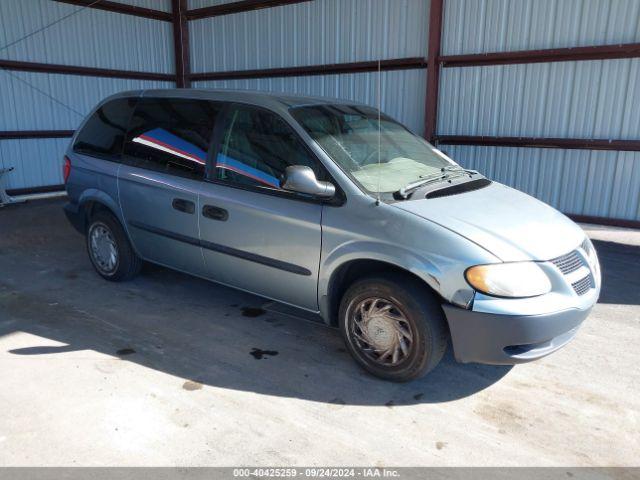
(117, 7)
(312, 70)
(433, 69)
(86, 71)
(534, 142)
(237, 7)
(181, 43)
(26, 134)
(600, 52)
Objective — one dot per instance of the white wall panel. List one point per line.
(586, 99)
(480, 26)
(37, 162)
(310, 33)
(38, 101)
(584, 182)
(91, 38)
(589, 99)
(29, 106)
(402, 92)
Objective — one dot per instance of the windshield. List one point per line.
(382, 163)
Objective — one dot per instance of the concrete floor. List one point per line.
(159, 371)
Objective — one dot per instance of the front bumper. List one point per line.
(510, 339)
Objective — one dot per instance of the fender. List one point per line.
(422, 267)
(95, 195)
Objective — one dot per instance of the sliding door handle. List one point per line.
(215, 213)
(183, 205)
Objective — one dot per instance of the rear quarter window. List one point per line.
(171, 135)
(103, 134)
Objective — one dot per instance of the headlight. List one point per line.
(518, 279)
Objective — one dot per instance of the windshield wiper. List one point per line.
(457, 168)
(444, 174)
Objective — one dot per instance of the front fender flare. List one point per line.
(394, 255)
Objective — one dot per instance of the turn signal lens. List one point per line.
(516, 280)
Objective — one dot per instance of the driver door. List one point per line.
(256, 236)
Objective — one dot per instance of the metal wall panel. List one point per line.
(480, 26)
(589, 99)
(56, 102)
(91, 38)
(37, 162)
(583, 182)
(402, 92)
(310, 33)
(38, 101)
(29, 106)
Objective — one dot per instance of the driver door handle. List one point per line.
(183, 205)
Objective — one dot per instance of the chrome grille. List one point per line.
(568, 263)
(583, 285)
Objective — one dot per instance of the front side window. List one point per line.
(256, 148)
(171, 136)
(103, 134)
(380, 156)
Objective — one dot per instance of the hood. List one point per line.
(510, 224)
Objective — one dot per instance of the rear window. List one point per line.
(172, 136)
(103, 134)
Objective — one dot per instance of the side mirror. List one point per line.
(301, 179)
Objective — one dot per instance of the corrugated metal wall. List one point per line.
(310, 33)
(90, 38)
(402, 92)
(586, 99)
(581, 182)
(481, 26)
(320, 32)
(31, 106)
(40, 101)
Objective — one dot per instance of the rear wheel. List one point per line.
(393, 326)
(109, 248)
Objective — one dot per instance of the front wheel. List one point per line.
(393, 326)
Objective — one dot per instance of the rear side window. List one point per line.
(172, 136)
(103, 134)
(256, 148)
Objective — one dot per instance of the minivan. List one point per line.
(332, 207)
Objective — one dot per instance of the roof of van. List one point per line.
(267, 99)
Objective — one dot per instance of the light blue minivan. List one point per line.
(334, 208)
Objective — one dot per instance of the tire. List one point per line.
(106, 237)
(414, 321)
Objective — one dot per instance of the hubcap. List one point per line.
(381, 331)
(103, 248)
